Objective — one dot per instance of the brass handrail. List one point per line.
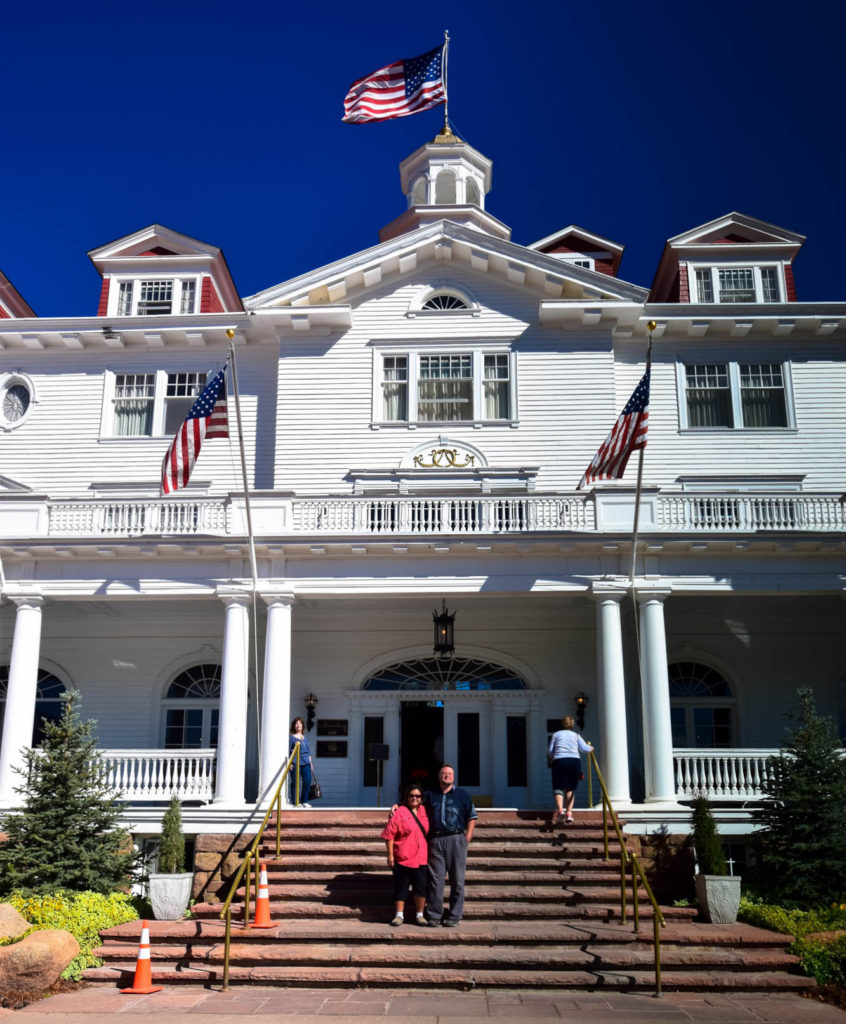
(275, 803)
(627, 858)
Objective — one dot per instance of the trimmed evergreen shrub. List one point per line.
(802, 842)
(83, 914)
(172, 846)
(66, 835)
(822, 959)
(706, 842)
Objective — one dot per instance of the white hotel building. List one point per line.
(416, 418)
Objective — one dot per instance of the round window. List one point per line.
(15, 402)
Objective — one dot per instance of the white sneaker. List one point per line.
(306, 805)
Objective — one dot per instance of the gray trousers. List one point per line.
(447, 857)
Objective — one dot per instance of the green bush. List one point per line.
(802, 838)
(709, 850)
(83, 914)
(824, 961)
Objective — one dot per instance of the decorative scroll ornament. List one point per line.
(444, 458)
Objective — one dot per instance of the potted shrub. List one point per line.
(717, 891)
(170, 887)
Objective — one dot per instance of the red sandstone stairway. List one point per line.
(542, 910)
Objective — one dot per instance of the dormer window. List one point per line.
(737, 284)
(444, 300)
(157, 297)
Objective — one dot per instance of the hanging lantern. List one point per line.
(444, 630)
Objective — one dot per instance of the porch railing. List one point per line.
(748, 513)
(441, 515)
(451, 516)
(136, 518)
(160, 775)
(720, 774)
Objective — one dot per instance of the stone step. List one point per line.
(354, 875)
(414, 976)
(373, 888)
(377, 910)
(504, 957)
(681, 931)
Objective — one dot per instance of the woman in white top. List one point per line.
(564, 758)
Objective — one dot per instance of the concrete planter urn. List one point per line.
(170, 895)
(719, 897)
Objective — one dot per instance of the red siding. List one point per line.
(604, 267)
(3, 314)
(682, 284)
(789, 283)
(158, 250)
(729, 240)
(209, 299)
(104, 297)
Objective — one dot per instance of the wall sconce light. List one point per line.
(311, 703)
(581, 701)
(444, 630)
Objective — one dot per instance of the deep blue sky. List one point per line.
(222, 120)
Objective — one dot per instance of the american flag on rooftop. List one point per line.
(627, 434)
(206, 419)
(405, 87)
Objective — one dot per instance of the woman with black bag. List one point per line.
(406, 838)
(298, 735)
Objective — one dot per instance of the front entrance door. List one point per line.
(421, 742)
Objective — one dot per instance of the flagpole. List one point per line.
(651, 327)
(230, 334)
(446, 93)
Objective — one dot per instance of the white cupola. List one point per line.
(445, 180)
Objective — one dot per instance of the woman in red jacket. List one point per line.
(406, 837)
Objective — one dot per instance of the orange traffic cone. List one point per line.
(142, 983)
(262, 918)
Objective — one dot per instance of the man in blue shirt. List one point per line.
(452, 819)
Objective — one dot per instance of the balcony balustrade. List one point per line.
(139, 776)
(721, 774)
(690, 513)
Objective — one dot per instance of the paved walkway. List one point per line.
(190, 1005)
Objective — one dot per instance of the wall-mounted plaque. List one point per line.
(332, 727)
(331, 748)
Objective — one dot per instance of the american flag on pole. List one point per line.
(207, 418)
(400, 89)
(627, 434)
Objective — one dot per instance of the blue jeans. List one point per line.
(305, 783)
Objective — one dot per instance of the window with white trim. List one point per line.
(16, 400)
(440, 387)
(192, 709)
(151, 404)
(729, 284)
(701, 706)
(735, 395)
(156, 297)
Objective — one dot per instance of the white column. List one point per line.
(613, 732)
(657, 727)
(232, 731)
(276, 698)
(20, 695)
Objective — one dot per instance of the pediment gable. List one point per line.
(737, 229)
(351, 278)
(154, 240)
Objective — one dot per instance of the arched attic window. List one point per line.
(445, 300)
(471, 192)
(445, 187)
(445, 674)
(192, 708)
(701, 706)
(48, 701)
